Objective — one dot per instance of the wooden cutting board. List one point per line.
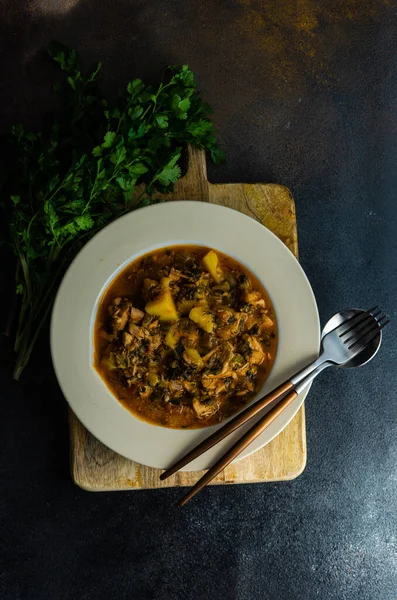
(95, 467)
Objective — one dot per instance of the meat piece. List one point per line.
(267, 322)
(226, 315)
(208, 341)
(216, 383)
(189, 333)
(190, 386)
(207, 356)
(219, 359)
(210, 382)
(221, 387)
(256, 354)
(243, 370)
(257, 321)
(232, 326)
(253, 298)
(136, 331)
(176, 388)
(191, 339)
(127, 339)
(175, 275)
(242, 392)
(154, 341)
(120, 314)
(254, 320)
(206, 409)
(136, 315)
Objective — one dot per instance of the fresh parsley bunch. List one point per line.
(82, 170)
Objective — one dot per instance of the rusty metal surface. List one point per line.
(304, 94)
(281, 76)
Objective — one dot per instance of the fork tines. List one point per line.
(365, 329)
(356, 319)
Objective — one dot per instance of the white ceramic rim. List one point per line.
(102, 259)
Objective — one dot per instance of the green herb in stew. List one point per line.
(185, 337)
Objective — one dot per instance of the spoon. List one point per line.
(363, 357)
(359, 328)
(339, 346)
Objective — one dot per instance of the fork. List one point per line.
(338, 347)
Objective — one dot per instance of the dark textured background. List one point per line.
(304, 94)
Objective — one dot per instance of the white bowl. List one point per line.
(107, 254)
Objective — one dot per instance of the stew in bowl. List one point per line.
(185, 337)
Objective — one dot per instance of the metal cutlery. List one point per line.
(350, 339)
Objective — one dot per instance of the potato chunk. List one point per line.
(152, 379)
(172, 337)
(163, 306)
(211, 264)
(203, 318)
(192, 357)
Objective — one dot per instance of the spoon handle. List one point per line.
(252, 434)
(231, 426)
(313, 370)
(240, 445)
(300, 386)
(306, 371)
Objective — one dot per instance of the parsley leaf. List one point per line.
(170, 173)
(75, 176)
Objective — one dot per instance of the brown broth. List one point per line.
(128, 284)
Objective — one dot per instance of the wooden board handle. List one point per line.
(197, 165)
(97, 468)
(194, 185)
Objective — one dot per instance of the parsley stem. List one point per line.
(25, 271)
(24, 355)
(97, 161)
